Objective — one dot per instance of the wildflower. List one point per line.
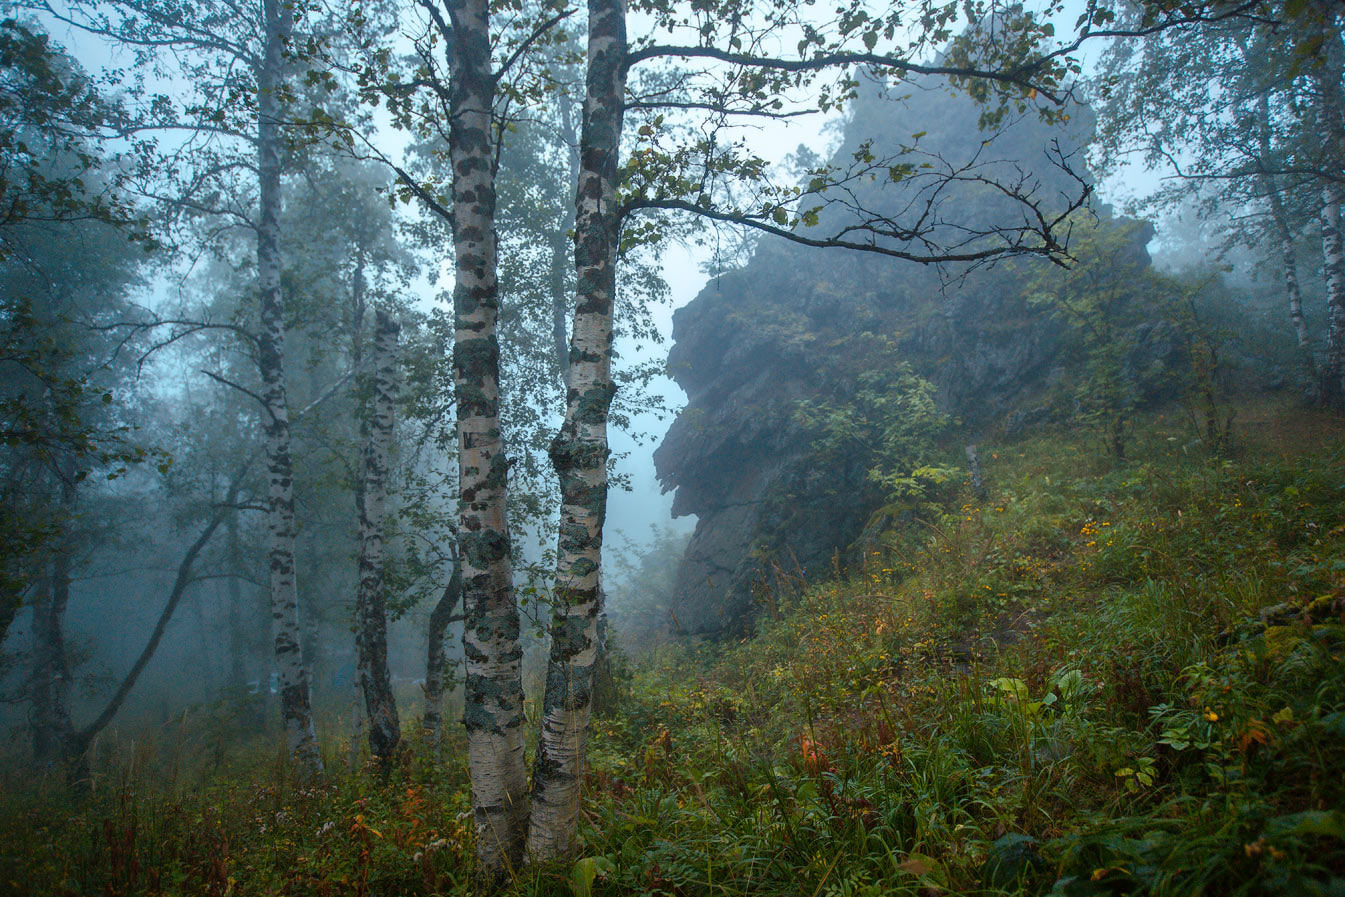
(1211, 715)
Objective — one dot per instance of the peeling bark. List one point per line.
(580, 450)
(295, 705)
(493, 715)
(371, 617)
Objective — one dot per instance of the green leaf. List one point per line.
(1014, 688)
(585, 871)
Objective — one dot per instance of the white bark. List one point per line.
(1329, 74)
(1333, 264)
(580, 450)
(295, 706)
(493, 714)
(1280, 218)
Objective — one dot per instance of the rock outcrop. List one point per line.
(759, 340)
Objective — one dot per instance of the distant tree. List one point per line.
(436, 665)
(61, 371)
(51, 117)
(346, 272)
(70, 256)
(371, 618)
(641, 587)
(1242, 111)
(244, 76)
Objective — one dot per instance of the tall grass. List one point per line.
(1102, 679)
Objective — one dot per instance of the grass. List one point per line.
(1101, 679)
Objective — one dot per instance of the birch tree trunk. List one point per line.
(1283, 234)
(1333, 256)
(560, 256)
(579, 451)
(295, 706)
(493, 715)
(371, 617)
(1333, 251)
(432, 723)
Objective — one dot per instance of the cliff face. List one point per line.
(759, 340)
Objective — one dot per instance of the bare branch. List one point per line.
(537, 33)
(721, 109)
(244, 390)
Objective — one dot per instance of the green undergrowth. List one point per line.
(1100, 678)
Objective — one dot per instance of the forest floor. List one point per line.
(1106, 677)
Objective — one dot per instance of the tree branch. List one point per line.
(183, 580)
(522, 48)
(1018, 78)
(232, 385)
(714, 107)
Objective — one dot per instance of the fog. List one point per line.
(230, 530)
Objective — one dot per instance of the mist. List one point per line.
(687, 449)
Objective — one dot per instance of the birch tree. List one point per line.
(464, 115)
(1284, 227)
(1330, 66)
(493, 715)
(1008, 60)
(295, 703)
(580, 450)
(371, 617)
(234, 127)
(1241, 112)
